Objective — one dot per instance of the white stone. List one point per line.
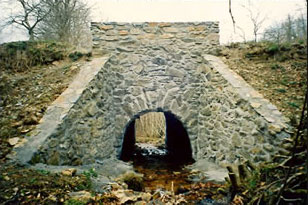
(13, 141)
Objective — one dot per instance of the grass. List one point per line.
(74, 202)
(22, 55)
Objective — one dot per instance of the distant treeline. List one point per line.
(292, 29)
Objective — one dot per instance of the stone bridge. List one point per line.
(164, 67)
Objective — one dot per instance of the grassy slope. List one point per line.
(280, 75)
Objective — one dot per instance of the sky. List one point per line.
(273, 11)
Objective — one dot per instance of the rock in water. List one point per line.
(13, 141)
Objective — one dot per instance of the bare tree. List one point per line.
(66, 20)
(242, 33)
(301, 26)
(290, 30)
(28, 16)
(231, 15)
(256, 18)
(274, 33)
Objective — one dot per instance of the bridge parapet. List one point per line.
(126, 37)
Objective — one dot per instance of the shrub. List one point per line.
(21, 55)
(281, 90)
(133, 180)
(75, 55)
(272, 49)
(276, 66)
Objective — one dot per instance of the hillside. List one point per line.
(33, 74)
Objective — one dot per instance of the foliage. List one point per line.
(22, 55)
(75, 55)
(43, 172)
(74, 202)
(27, 186)
(279, 52)
(90, 173)
(281, 90)
(276, 66)
(263, 184)
(292, 104)
(272, 49)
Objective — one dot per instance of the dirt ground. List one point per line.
(26, 95)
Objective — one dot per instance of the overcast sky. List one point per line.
(186, 10)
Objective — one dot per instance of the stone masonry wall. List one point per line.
(222, 126)
(159, 66)
(127, 37)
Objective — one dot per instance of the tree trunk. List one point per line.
(31, 35)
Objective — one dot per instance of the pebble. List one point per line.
(146, 196)
(69, 172)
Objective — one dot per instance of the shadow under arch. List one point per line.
(177, 140)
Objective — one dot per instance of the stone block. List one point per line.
(128, 109)
(164, 24)
(171, 94)
(274, 128)
(135, 31)
(176, 73)
(92, 109)
(135, 90)
(106, 27)
(171, 30)
(166, 36)
(123, 33)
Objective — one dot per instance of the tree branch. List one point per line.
(231, 15)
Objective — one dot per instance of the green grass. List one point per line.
(293, 104)
(74, 202)
(281, 90)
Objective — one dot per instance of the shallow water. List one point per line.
(159, 171)
(161, 174)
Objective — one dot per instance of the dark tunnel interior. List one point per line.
(177, 141)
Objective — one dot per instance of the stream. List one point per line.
(164, 175)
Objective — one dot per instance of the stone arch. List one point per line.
(177, 140)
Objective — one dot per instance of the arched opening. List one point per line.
(177, 140)
(176, 143)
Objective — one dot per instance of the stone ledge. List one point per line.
(261, 105)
